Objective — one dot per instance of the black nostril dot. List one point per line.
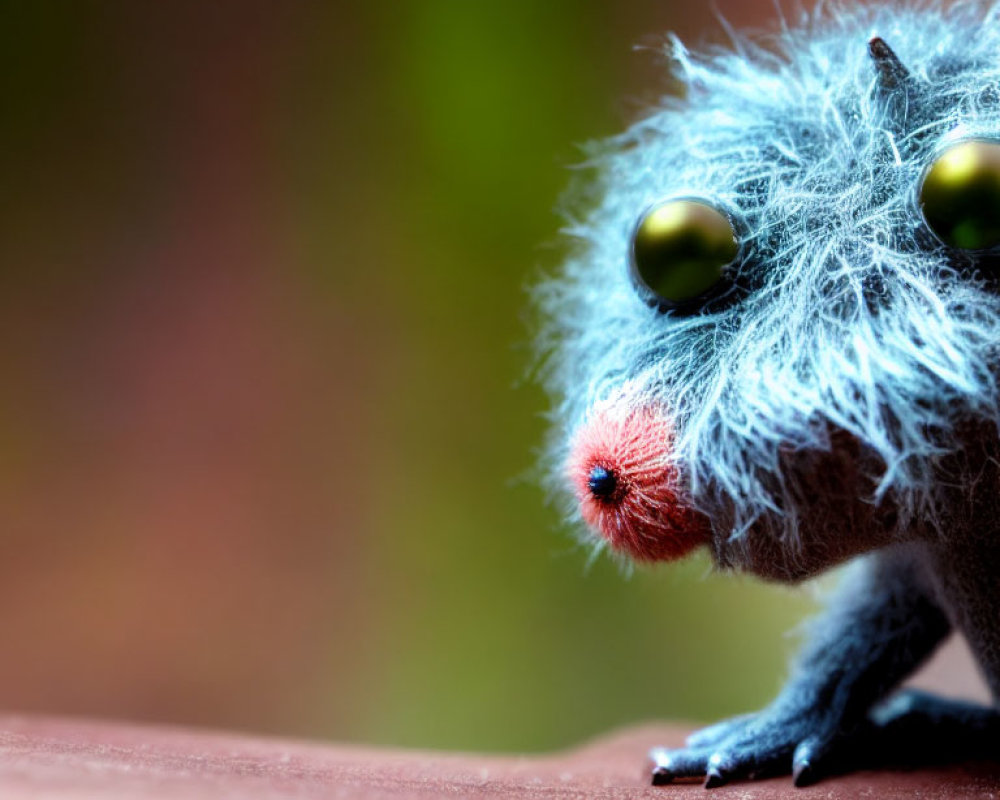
(603, 483)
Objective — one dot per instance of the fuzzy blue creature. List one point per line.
(779, 338)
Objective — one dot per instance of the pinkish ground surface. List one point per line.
(56, 758)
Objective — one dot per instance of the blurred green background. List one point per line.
(267, 427)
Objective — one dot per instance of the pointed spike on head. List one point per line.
(892, 74)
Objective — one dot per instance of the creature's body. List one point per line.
(837, 398)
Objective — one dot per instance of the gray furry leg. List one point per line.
(966, 571)
(882, 623)
(913, 729)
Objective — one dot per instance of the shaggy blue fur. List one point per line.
(860, 320)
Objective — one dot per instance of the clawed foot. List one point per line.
(752, 747)
(912, 729)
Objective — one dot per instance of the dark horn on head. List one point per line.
(895, 88)
(891, 73)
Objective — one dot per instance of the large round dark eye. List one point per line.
(960, 195)
(680, 253)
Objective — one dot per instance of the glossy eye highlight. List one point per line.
(960, 195)
(680, 252)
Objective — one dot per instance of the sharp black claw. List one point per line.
(715, 779)
(662, 776)
(802, 774)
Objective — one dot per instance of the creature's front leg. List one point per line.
(881, 623)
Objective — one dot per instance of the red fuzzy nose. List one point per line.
(628, 486)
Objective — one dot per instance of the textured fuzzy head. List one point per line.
(852, 323)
